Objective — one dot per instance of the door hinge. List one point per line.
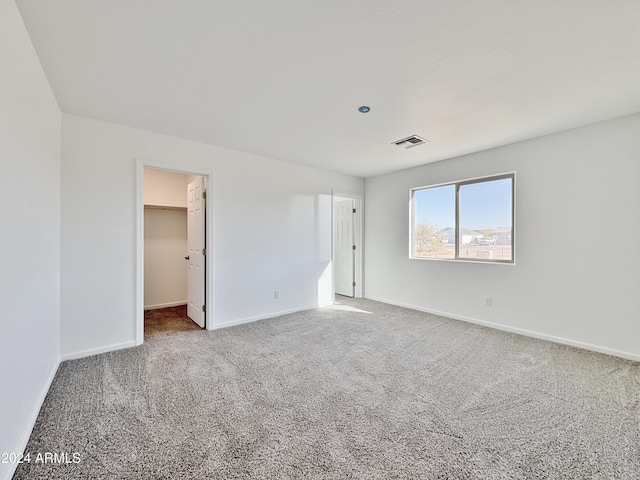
(204, 252)
(354, 284)
(204, 194)
(354, 210)
(354, 247)
(204, 308)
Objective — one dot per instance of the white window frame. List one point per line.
(457, 185)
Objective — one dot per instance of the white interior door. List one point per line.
(196, 252)
(344, 251)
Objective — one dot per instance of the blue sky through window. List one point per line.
(482, 205)
(486, 204)
(436, 206)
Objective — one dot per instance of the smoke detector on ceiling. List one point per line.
(409, 142)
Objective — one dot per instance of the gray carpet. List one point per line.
(359, 390)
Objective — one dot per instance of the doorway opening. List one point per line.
(347, 245)
(173, 238)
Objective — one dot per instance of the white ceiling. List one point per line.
(285, 78)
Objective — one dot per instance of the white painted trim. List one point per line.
(98, 350)
(139, 247)
(165, 305)
(266, 316)
(358, 238)
(519, 331)
(26, 434)
(139, 293)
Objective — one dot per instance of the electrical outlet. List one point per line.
(488, 301)
(276, 294)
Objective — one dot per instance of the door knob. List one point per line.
(187, 257)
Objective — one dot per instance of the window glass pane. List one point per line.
(434, 216)
(485, 212)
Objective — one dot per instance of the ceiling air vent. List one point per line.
(412, 141)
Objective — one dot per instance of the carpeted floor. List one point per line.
(171, 319)
(359, 390)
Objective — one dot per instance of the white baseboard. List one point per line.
(26, 434)
(215, 326)
(96, 351)
(519, 331)
(164, 305)
(240, 321)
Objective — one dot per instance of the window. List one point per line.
(466, 220)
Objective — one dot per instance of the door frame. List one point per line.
(358, 236)
(139, 247)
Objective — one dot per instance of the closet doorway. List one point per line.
(174, 250)
(348, 258)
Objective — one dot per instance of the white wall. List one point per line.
(165, 188)
(272, 230)
(165, 246)
(577, 240)
(29, 240)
